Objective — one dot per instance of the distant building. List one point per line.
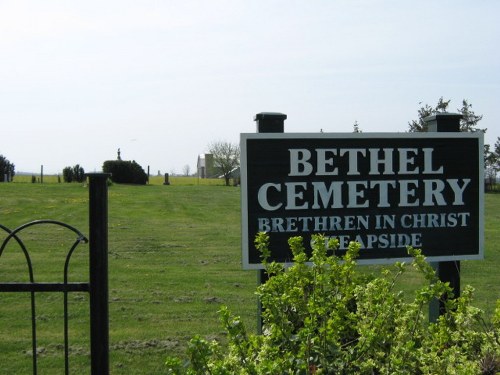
(236, 176)
(206, 167)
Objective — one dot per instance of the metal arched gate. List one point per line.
(96, 286)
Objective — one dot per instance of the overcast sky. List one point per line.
(162, 79)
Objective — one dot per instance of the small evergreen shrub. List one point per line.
(68, 174)
(7, 169)
(125, 172)
(74, 174)
(78, 173)
(328, 318)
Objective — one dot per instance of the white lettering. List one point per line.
(323, 162)
(299, 165)
(428, 162)
(434, 192)
(385, 161)
(383, 191)
(292, 195)
(353, 159)
(405, 192)
(458, 191)
(405, 160)
(334, 193)
(262, 197)
(355, 194)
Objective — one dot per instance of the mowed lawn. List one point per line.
(174, 259)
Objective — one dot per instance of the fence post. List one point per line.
(267, 122)
(447, 271)
(98, 259)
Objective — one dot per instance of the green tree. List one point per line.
(492, 164)
(468, 123)
(226, 158)
(497, 154)
(67, 174)
(469, 120)
(125, 172)
(74, 174)
(78, 173)
(7, 169)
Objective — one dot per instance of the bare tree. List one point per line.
(186, 170)
(226, 157)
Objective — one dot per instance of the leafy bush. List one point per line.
(125, 172)
(68, 174)
(328, 318)
(76, 174)
(7, 169)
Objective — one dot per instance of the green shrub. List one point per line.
(7, 169)
(125, 172)
(68, 174)
(329, 318)
(73, 174)
(78, 173)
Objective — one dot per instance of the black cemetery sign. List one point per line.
(384, 190)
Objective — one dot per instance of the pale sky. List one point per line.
(162, 79)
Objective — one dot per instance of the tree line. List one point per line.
(468, 123)
(226, 155)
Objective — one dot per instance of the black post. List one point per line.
(267, 122)
(98, 244)
(270, 122)
(446, 271)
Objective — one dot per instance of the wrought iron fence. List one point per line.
(96, 286)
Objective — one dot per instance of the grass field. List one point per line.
(174, 258)
(153, 180)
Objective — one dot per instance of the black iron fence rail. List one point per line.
(44, 287)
